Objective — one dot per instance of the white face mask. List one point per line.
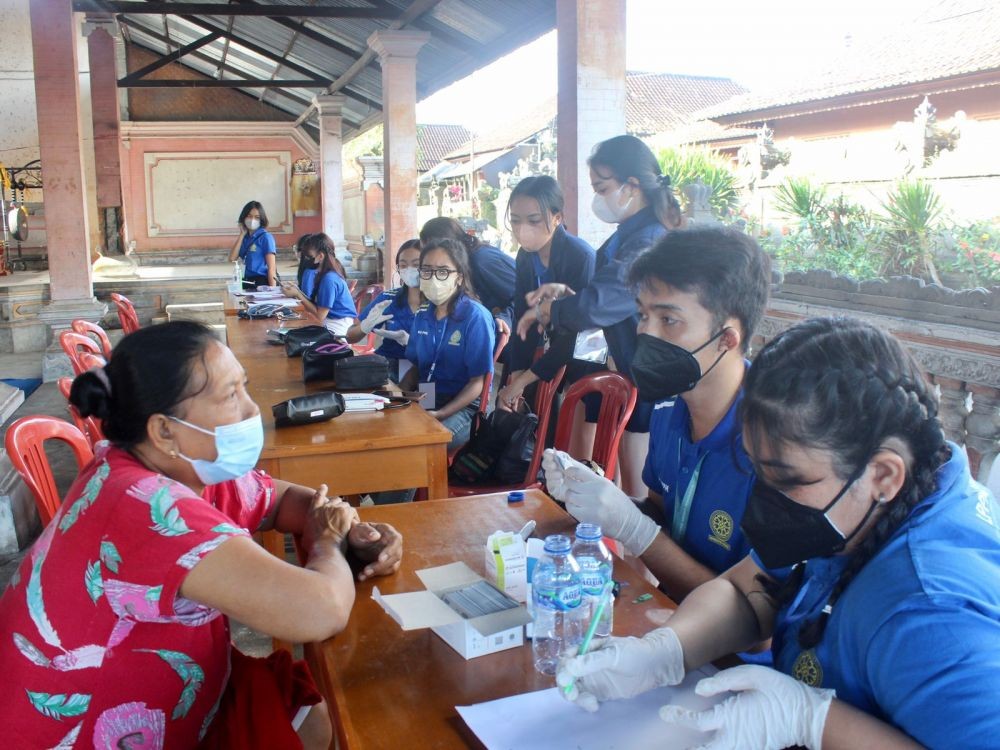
(531, 238)
(237, 448)
(608, 209)
(437, 291)
(252, 224)
(410, 276)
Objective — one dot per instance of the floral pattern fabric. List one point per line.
(97, 646)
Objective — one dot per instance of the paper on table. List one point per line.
(544, 721)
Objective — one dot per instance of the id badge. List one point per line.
(429, 400)
(591, 346)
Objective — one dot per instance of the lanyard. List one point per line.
(683, 510)
(541, 272)
(440, 347)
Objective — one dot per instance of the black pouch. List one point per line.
(318, 361)
(314, 407)
(297, 340)
(489, 438)
(361, 373)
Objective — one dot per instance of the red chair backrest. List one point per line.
(126, 313)
(503, 336)
(367, 295)
(545, 393)
(25, 445)
(85, 327)
(75, 345)
(618, 397)
(89, 426)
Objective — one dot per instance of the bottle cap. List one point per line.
(557, 544)
(588, 531)
(515, 497)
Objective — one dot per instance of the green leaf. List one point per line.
(190, 673)
(36, 604)
(94, 582)
(90, 493)
(227, 528)
(153, 593)
(59, 705)
(110, 556)
(166, 518)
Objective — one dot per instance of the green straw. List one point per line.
(594, 620)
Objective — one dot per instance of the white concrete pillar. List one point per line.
(591, 100)
(397, 53)
(331, 109)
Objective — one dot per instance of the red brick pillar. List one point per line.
(57, 102)
(105, 116)
(591, 97)
(397, 52)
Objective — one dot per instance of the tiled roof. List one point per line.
(952, 38)
(434, 141)
(511, 133)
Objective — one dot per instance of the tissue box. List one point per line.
(469, 636)
(507, 563)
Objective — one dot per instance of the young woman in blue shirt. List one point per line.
(451, 341)
(547, 254)
(325, 297)
(630, 191)
(874, 568)
(390, 315)
(255, 247)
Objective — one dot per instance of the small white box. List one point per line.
(507, 564)
(470, 637)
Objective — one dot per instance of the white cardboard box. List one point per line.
(472, 637)
(507, 564)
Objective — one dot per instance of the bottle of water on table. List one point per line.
(560, 619)
(596, 563)
(236, 280)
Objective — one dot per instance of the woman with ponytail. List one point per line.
(874, 567)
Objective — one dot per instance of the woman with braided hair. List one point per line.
(874, 568)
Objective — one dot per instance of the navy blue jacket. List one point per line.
(571, 262)
(608, 302)
(493, 279)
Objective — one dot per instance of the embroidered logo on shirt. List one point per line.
(456, 338)
(807, 669)
(984, 511)
(721, 525)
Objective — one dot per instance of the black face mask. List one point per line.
(663, 370)
(783, 532)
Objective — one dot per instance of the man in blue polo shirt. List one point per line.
(701, 294)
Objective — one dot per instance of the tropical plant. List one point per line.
(977, 252)
(798, 197)
(912, 214)
(686, 166)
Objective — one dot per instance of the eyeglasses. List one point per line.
(441, 274)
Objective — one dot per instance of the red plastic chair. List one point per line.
(25, 445)
(618, 397)
(126, 313)
(544, 395)
(85, 328)
(76, 345)
(89, 426)
(367, 295)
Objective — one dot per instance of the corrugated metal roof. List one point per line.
(465, 36)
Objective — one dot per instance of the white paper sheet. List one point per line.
(544, 721)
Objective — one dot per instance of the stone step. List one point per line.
(209, 313)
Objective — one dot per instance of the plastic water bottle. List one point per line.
(236, 282)
(596, 563)
(560, 619)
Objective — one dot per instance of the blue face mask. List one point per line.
(237, 448)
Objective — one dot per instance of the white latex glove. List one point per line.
(622, 668)
(401, 337)
(593, 499)
(376, 316)
(769, 711)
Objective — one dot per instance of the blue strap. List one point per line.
(440, 347)
(682, 510)
(541, 272)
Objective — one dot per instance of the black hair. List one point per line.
(403, 289)
(845, 387)
(726, 269)
(150, 372)
(446, 228)
(321, 243)
(544, 190)
(460, 257)
(305, 262)
(248, 208)
(625, 156)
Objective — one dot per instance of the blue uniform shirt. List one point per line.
(254, 250)
(402, 320)
(308, 279)
(915, 637)
(713, 536)
(334, 294)
(452, 351)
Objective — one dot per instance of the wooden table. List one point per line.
(394, 689)
(352, 454)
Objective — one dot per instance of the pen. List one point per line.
(594, 620)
